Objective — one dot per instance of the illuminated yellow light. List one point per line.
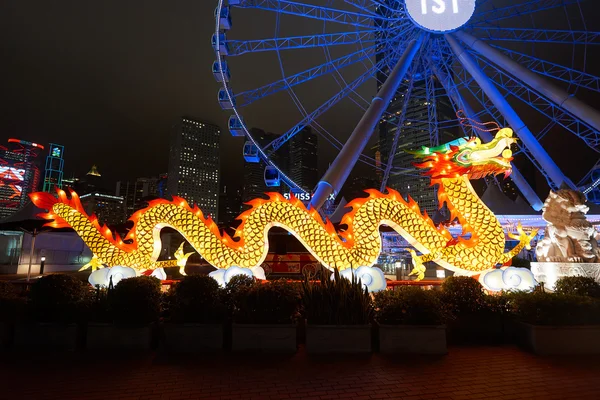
(362, 243)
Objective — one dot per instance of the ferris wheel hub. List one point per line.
(440, 16)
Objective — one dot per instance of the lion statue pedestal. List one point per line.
(570, 244)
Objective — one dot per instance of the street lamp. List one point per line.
(42, 262)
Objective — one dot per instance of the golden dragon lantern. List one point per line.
(478, 249)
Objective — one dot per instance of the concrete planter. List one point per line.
(111, 337)
(251, 337)
(547, 340)
(192, 338)
(41, 336)
(414, 339)
(338, 338)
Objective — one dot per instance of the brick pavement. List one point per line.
(466, 373)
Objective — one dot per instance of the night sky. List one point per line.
(108, 79)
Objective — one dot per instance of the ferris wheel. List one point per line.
(520, 63)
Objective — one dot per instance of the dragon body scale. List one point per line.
(480, 248)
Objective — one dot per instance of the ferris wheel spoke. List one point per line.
(538, 35)
(553, 70)
(544, 106)
(248, 97)
(280, 141)
(516, 10)
(492, 113)
(239, 47)
(584, 115)
(312, 11)
(399, 125)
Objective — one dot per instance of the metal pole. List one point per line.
(554, 93)
(517, 124)
(338, 172)
(516, 176)
(33, 236)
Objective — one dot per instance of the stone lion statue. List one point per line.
(569, 236)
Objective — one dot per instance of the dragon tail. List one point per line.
(65, 212)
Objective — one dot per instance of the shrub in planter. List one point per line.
(476, 317)
(55, 305)
(231, 292)
(195, 314)
(265, 317)
(558, 324)
(134, 307)
(338, 312)
(411, 321)
(578, 285)
(554, 309)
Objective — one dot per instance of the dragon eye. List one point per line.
(477, 141)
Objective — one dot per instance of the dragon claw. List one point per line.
(94, 264)
(182, 258)
(419, 269)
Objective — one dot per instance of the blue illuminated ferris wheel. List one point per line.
(518, 63)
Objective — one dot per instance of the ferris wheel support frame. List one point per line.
(338, 172)
(502, 105)
(518, 179)
(554, 93)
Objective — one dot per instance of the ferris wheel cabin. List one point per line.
(272, 177)
(224, 17)
(226, 101)
(236, 128)
(251, 152)
(221, 46)
(217, 69)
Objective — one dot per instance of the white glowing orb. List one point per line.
(117, 273)
(440, 16)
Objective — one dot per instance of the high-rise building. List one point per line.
(194, 164)
(19, 174)
(303, 159)
(230, 205)
(136, 193)
(108, 209)
(415, 132)
(91, 182)
(54, 168)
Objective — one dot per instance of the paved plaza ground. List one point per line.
(465, 373)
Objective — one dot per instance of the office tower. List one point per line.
(303, 159)
(194, 164)
(54, 168)
(91, 182)
(230, 205)
(108, 209)
(136, 193)
(19, 174)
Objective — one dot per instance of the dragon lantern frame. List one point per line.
(479, 248)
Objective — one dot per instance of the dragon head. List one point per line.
(469, 157)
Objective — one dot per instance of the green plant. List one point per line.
(555, 309)
(463, 294)
(196, 299)
(136, 301)
(337, 301)
(409, 306)
(232, 290)
(58, 298)
(578, 285)
(9, 301)
(274, 302)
